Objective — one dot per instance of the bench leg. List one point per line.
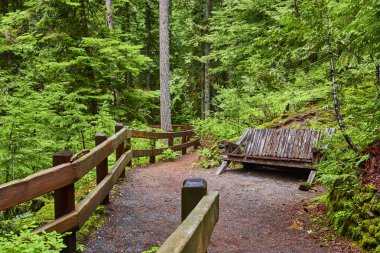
(311, 176)
(223, 167)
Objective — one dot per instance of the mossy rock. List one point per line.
(305, 186)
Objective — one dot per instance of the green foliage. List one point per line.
(27, 241)
(354, 211)
(169, 154)
(152, 250)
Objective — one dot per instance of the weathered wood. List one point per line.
(152, 158)
(62, 224)
(184, 140)
(193, 190)
(102, 167)
(159, 151)
(19, 191)
(156, 135)
(128, 146)
(194, 234)
(97, 154)
(269, 162)
(64, 202)
(120, 148)
(88, 205)
(222, 167)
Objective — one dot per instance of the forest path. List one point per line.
(258, 209)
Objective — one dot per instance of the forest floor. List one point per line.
(260, 211)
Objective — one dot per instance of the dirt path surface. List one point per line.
(257, 210)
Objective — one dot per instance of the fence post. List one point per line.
(152, 159)
(102, 167)
(170, 141)
(128, 147)
(193, 190)
(64, 201)
(184, 140)
(120, 148)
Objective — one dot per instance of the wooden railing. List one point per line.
(200, 213)
(69, 217)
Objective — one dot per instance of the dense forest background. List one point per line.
(67, 73)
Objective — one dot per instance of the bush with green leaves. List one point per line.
(26, 241)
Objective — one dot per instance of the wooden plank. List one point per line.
(308, 143)
(273, 158)
(159, 151)
(311, 177)
(100, 152)
(194, 234)
(165, 135)
(274, 143)
(280, 144)
(262, 144)
(268, 142)
(89, 204)
(222, 167)
(61, 225)
(249, 141)
(19, 191)
(269, 162)
(281, 151)
(256, 141)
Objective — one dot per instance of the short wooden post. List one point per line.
(193, 190)
(152, 159)
(102, 167)
(64, 201)
(120, 148)
(184, 140)
(170, 142)
(128, 147)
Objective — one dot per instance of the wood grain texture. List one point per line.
(166, 135)
(285, 147)
(19, 191)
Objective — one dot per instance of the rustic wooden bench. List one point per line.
(276, 147)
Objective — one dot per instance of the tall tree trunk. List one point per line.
(148, 26)
(207, 98)
(166, 122)
(335, 91)
(4, 6)
(109, 14)
(378, 77)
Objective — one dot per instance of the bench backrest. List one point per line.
(281, 143)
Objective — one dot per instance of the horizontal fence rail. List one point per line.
(67, 170)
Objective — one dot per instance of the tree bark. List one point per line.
(336, 101)
(378, 77)
(165, 112)
(148, 26)
(109, 14)
(207, 98)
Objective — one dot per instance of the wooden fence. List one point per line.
(69, 216)
(200, 213)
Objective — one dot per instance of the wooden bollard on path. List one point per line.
(193, 190)
(64, 202)
(120, 148)
(102, 167)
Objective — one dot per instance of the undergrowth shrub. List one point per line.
(25, 241)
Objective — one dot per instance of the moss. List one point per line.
(43, 216)
(368, 242)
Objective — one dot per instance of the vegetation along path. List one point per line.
(258, 210)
